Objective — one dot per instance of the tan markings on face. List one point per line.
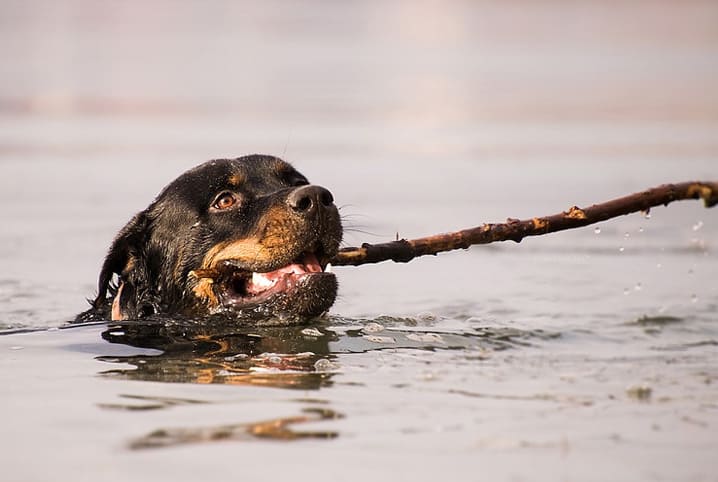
(243, 250)
(130, 265)
(236, 179)
(277, 239)
(203, 290)
(280, 231)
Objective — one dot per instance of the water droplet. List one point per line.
(638, 287)
(429, 376)
(324, 365)
(597, 230)
(640, 230)
(698, 226)
(659, 266)
(694, 298)
(626, 291)
(427, 316)
(646, 213)
(626, 235)
(312, 332)
(621, 249)
(17, 347)
(372, 327)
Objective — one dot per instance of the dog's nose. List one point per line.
(307, 199)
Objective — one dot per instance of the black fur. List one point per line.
(153, 262)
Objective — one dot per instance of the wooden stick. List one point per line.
(403, 250)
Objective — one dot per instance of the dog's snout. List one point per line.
(310, 198)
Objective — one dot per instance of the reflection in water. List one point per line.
(195, 352)
(300, 357)
(276, 429)
(143, 402)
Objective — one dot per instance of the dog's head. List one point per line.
(245, 238)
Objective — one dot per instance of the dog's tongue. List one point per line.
(263, 281)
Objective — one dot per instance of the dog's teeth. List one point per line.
(328, 269)
(261, 281)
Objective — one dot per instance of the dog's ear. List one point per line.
(125, 259)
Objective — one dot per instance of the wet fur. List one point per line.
(152, 260)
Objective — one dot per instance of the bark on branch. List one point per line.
(404, 250)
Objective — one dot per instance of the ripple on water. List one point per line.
(301, 357)
(656, 320)
(687, 345)
(27, 305)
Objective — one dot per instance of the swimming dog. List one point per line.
(246, 239)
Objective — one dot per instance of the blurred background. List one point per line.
(420, 116)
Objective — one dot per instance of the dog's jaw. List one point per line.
(298, 291)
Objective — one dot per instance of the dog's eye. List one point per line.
(225, 201)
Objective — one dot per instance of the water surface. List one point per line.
(582, 355)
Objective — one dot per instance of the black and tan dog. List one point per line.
(246, 239)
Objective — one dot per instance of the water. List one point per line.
(576, 356)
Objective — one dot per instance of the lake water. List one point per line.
(583, 355)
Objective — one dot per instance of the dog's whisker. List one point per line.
(348, 217)
(362, 231)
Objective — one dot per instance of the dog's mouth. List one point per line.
(257, 286)
(303, 288)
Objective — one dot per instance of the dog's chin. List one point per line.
(288, 295)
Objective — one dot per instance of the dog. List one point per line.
(247, 239)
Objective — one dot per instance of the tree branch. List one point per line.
(403, 250)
